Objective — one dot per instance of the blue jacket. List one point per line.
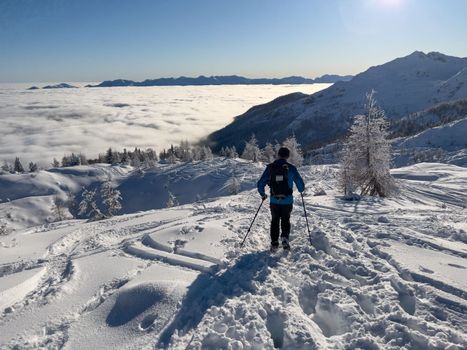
(294, 176)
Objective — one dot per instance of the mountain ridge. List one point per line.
(403, 86)
(222, 80)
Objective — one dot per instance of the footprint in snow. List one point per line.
(424, 269)
(456, 266)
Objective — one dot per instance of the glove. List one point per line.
(264, 196)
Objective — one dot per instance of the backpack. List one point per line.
(279, 180)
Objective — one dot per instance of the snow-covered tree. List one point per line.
(206, 153)
(88, 205)
(172, 158)
(6, 168)
(223, 152)
(55, 163)
(111, 198)
(71, 160)
(296, 154)
(18, 167)
(109, 156)
(366, 159)
(172, 200)
(32, 167)
(134, 160)
(60, 207)
(232, 152)
(3, 228)
(268, 153)
(252, 151)
(184, 150)
(233, 185)
(125, 159)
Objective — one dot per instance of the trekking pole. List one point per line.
(306, 218)
(244, 239)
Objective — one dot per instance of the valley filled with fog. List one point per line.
(38, 125)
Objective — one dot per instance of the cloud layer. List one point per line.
(42, 124)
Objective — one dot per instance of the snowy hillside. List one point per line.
(27, 199)
(381, 274)
(404, 86)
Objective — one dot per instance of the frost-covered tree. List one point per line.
(184, 151)
(18, 167)
(172, 200)
(71, 160)
(172, 158)
(134, 160)
(6, 168)
(223, 152)
(60, 207)
(252, 151)
(366, 158)
(233, 185)
(88, 205)
(231, 152)
(3, 228)
(296, 154)
(206, 153)
(55, 163)
(125, 159)
(111, 198)
(268, 153)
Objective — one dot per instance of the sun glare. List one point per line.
(390, 3)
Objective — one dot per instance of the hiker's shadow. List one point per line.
(213, 289)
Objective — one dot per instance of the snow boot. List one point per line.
(274, 247)
(285, 244)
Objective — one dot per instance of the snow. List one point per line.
(448, 137)
(381, 274)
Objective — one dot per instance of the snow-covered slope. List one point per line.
(381, 274)
(27, 199)
(404, 85)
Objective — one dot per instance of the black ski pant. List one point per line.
(280, 214)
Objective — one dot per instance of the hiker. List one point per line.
(280, 176)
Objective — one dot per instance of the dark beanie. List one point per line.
(283, 152)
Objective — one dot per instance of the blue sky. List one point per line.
(94, 40)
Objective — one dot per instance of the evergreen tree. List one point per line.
(6, 168)
(252, 151)
(88, 205)
(135, 162)
(32, 167)
(365, 162)
(3, 228)
(109, 156)
(125, 157)
(18, 167)
(111, 198)
(55, 163)
(232, 152)
(233, 185)
(82, 159)
(223, 152)
(296, 155)
(172, 200)
(268, 153)
(206, 153)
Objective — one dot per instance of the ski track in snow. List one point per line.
(350, 289)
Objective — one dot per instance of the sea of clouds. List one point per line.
(38, 125)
